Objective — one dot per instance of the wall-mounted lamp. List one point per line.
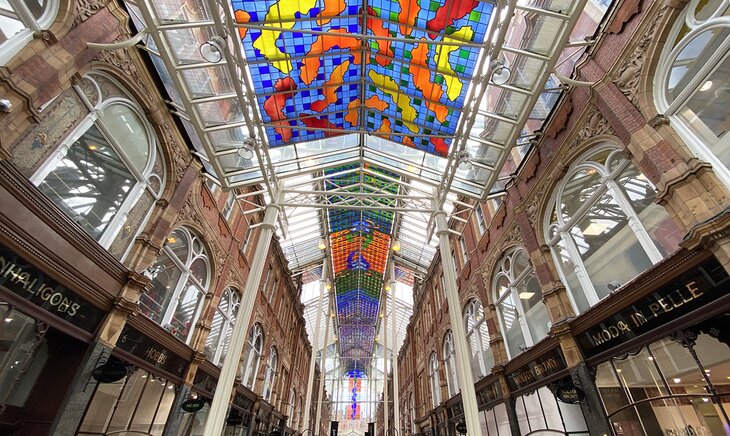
(328, 286)
(322, 244)
(500, 72)
(212, 50)
(395, 246)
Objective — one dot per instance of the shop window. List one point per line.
(19, 19)
(104, 167)
(180, 280)
(494, 421)
(477, 334)
(522, 314)
(675, 386)
(138, 404)
(192, 424)
(540, 412)
(433, 375)
(254, 346)
(604, 227)
(450, 364)
(23, 354)
(270, 376)
(216, 346)
(692, 83)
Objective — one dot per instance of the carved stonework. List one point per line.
(189, 212)
(628, 77)
(514, 236)
(595, 125)
(87, 8)
(122, 60)
(179, 156)
(532, 206)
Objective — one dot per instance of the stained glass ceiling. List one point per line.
(360, 112)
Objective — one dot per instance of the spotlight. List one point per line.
(387, 288)
(322, 244)
(246, 149)
(328, 286)
(464, 160)
(500, 72)
(212, 50)
(395, 246)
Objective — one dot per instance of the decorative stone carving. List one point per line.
(180, 157)
(628, 77)
(189, 212)
(595, 124)
(532, 206)
(122, 60)
(87, 8)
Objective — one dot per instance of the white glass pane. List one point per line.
(129, 132)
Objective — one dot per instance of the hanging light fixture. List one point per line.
(500, 73)
(395, 246)
(212, 50)
(464, 160)
(328, 286)
(245, 151)
(322, 244)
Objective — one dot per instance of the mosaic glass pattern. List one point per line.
(308, 70)
(359, 241)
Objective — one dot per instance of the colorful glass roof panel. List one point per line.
(315, 64)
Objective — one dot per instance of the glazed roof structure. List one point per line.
(364, 118)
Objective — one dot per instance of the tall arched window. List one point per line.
(603, 226)
(477, 334)
(412, 407)
(692, 84)
(106, 165)
(433, 373)
(270, 376)
(450, 364)
(522, 314)
(19, 20)
(180, 280)
(216, 346)
(255, 347)
(292, 400)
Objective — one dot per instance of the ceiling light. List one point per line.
(395, 246)
(464, 160)
(500, 73)
(677, 380)
(619, 370)
(322, 244)
(328, 286)
(387, 288)
(171, 239)
(212, 50)
(93, 147)
(245, 151)
(526, 295)
(706, 86)
(595, 229)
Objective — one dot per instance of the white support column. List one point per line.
(463, 359)
(384, 324)
(323, 366)
(219, 407)
(313, 358)
(394, 328)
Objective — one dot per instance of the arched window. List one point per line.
(19, 19)
(522, 314)
(450, 364)
(106, 165)
(270, 376)
(292, 400)
(413, 414)
(692, 84)
(433, 371)
(299, 412)
(255, 347)
(477, 334)
(603, 226)
(180, 280)
(216, 346)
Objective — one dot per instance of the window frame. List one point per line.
(270, 377)
(229, 322)
(452, 381)
(251, 369)
(434, 379)
(15, 43)
(470, 311)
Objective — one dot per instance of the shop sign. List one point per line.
(542, 367)
(32, 284)
(193, 405)
(461, 427)
(110, 372)
(136, 343)
(690, 291)
(569, 393)
(489, 394)
(334, 428)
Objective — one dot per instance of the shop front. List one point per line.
(141, 400)
(45, 332)
(662, 358)
(493, 417)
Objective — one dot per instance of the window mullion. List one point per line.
(25, 15)
(634, 222)
(580, 269)
(708, 68)
(167, 318)
(521, 317)
(196, 314)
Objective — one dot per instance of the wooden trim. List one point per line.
(155, 332)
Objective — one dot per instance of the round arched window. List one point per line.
(216, 345)
(255, 347)
(692, 83)
(477, 335)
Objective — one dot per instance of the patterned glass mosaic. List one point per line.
(308, 69)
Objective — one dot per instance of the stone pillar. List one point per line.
(125, 305)
(80, 392)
